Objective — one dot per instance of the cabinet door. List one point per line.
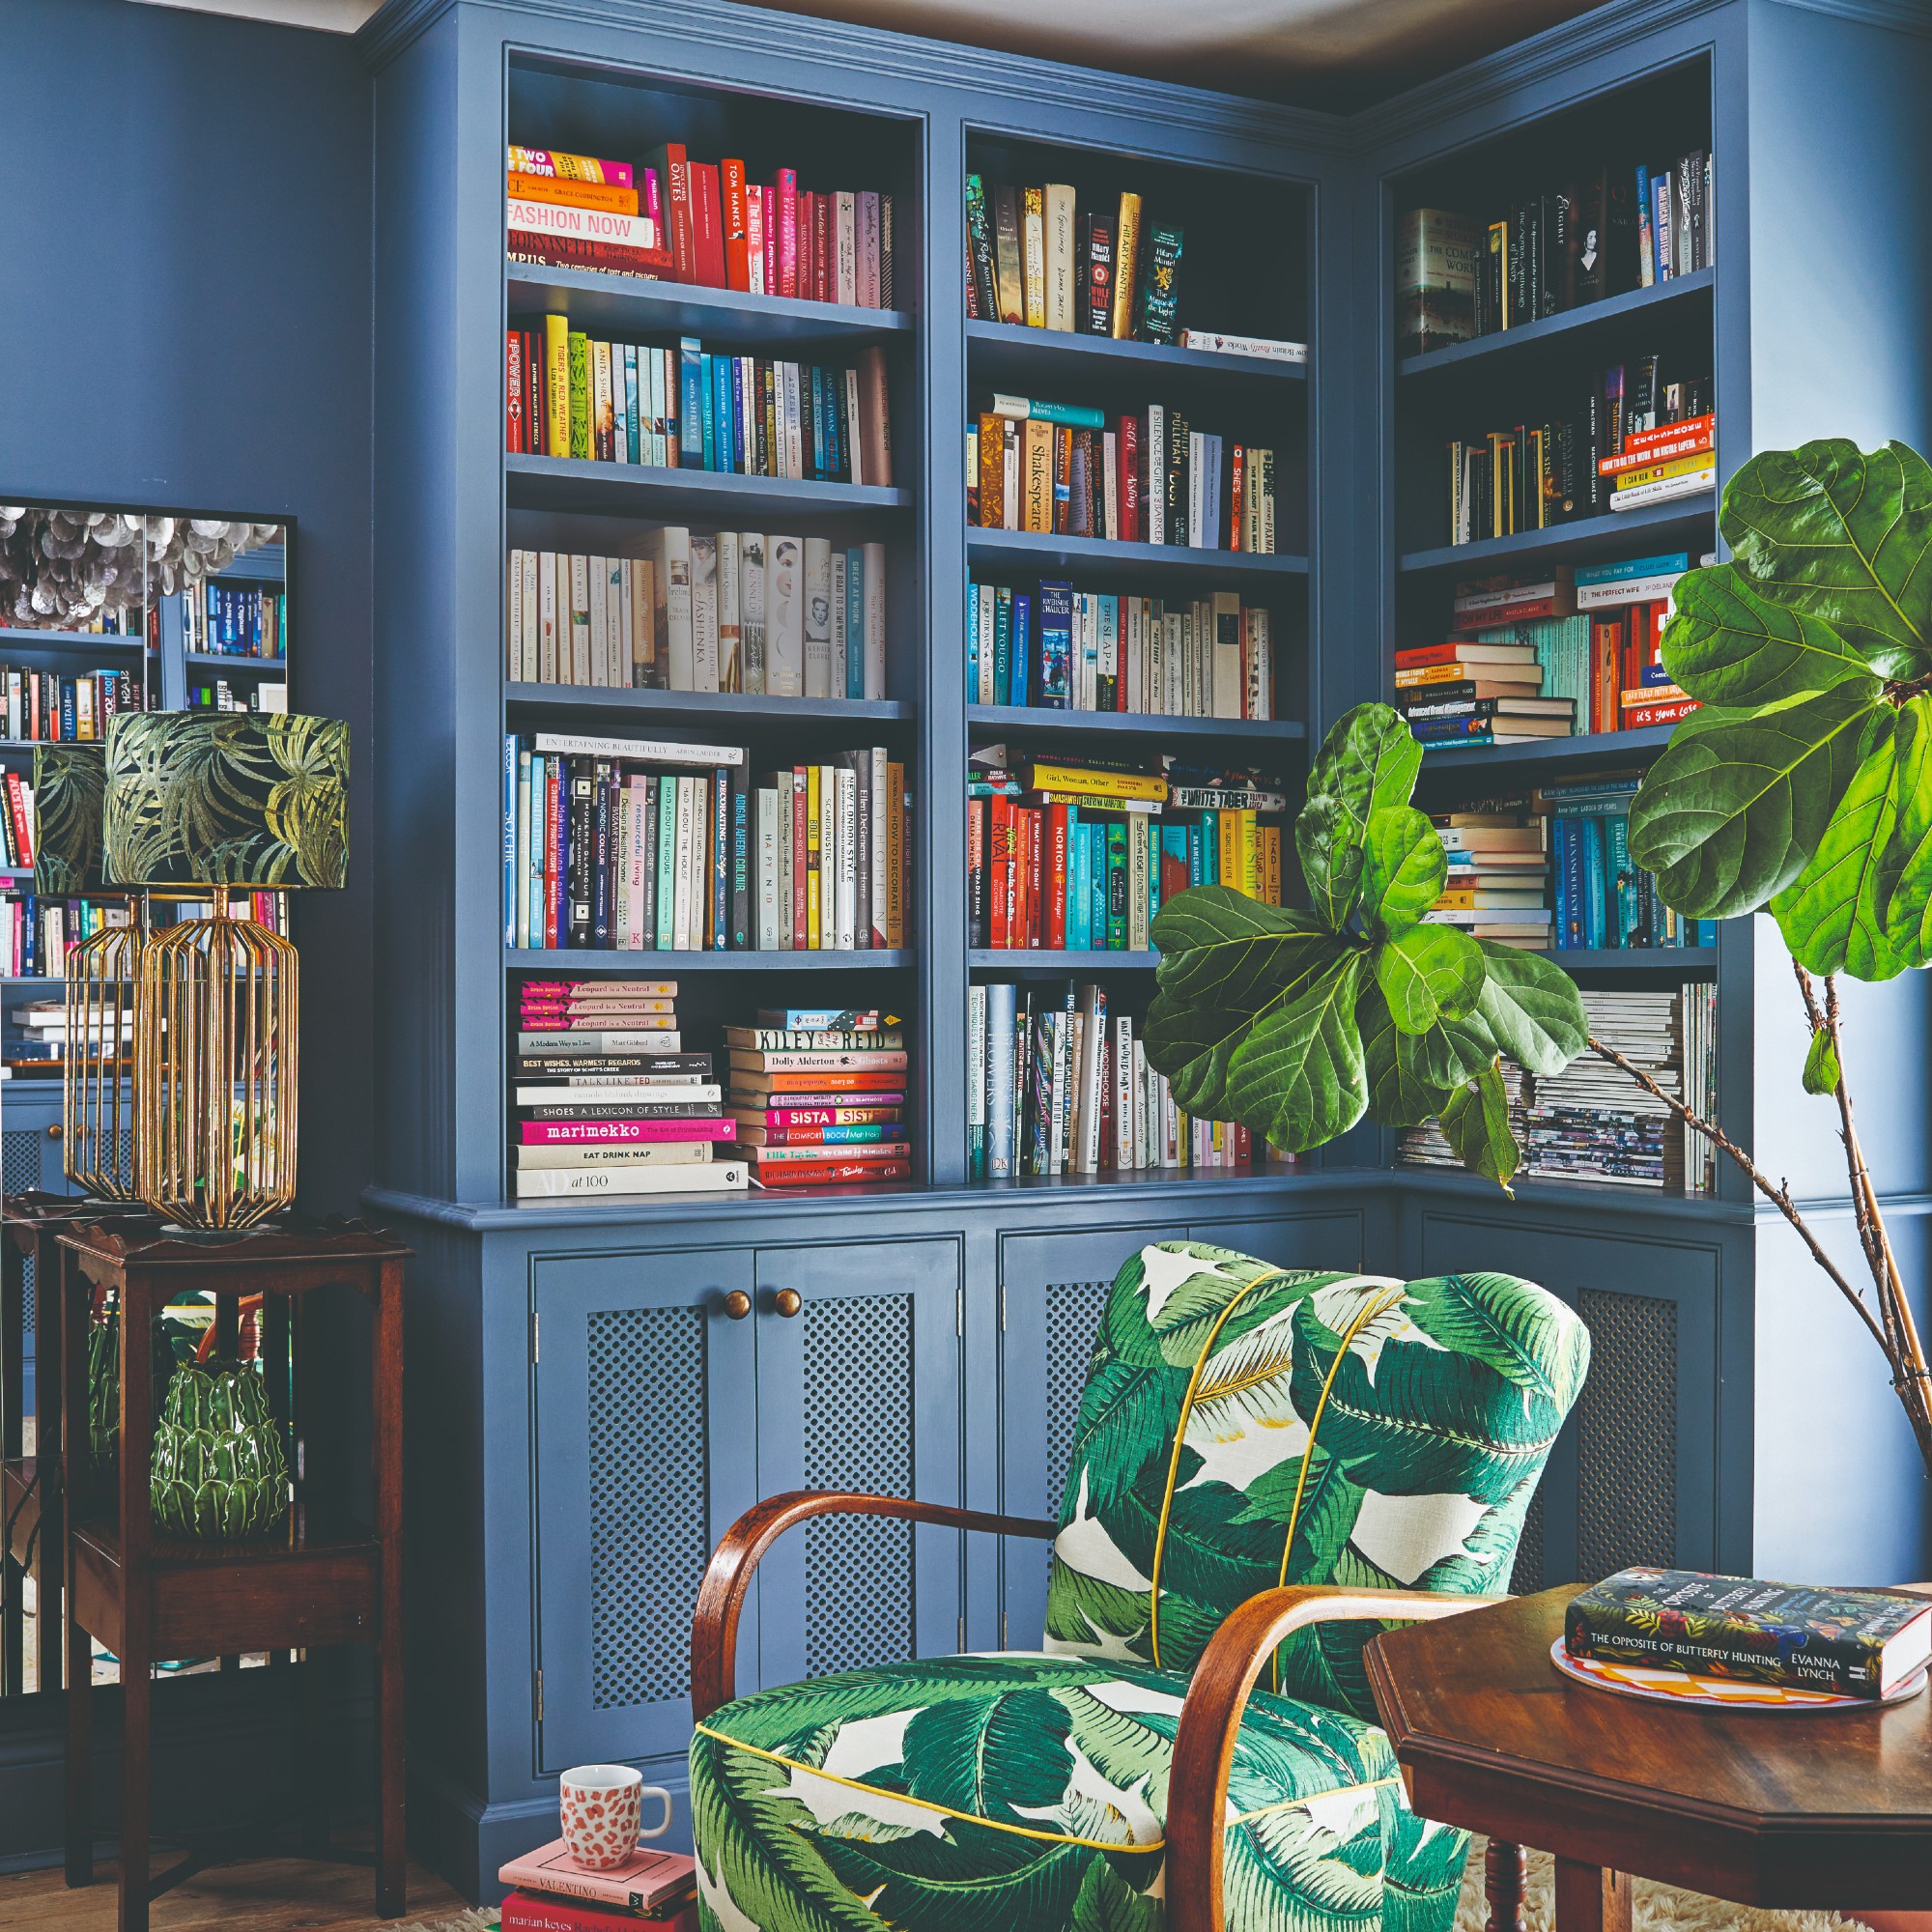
(1331, 1240)
(1052, 1288)
(647, 1453)
(1634, 1477)
(859, 1391)
(30, 1157)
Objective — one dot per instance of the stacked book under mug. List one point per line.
(818, 1096)
(607, 1101)
(550, 1892)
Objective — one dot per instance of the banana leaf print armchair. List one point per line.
(1270, 1466)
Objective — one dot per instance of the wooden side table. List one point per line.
(1828, 1809)
(321, 1579)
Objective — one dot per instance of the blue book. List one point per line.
(1003, 641)
(1196, 874)
(509, 839)
(738, 412)
(1621, 921)
(1211, 849)
(1022, 646)
(707, 411)
(1079, 933)
(855, 621)
(1591, 832)
(834, 440)
(1001, 997)
(815, 409)
(633, 429)
(728, 414)
(1097, 885)
(1056, 645)
(971, 637)
(690, 402)
(1631, 566)
(1559, 840)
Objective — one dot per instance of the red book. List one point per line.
(1173, 875)
(737, 226)
(1607, 658)
(512, 393)
(1055, 883)
(1639, 440)
(535, 1912)
(621, 1133)
(708, 222)
(857, 1113)
(23, 830)
(768, 237)
(816, 1172)
(1127, 451)
(784, 194)
(999, 850)
(1507, 613)
(801, 860)
(609, 258)
(673, 168)
(1665, 711)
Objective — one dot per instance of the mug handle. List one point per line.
(663, 1825)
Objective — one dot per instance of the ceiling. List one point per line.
(1321, 53)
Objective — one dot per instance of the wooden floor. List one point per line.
(252, 1895)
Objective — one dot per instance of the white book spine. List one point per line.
(1144, 1154)
(828, 860)
(1122, 1074)
(687, 801)
(1197, 446)
(579, 620)
(547, 601)
(672, 547)
(1010, 489)
(854, 443)
(674, 1178)
(752, 609)
(835, 623)
(599, 573)
(704, 613)
(989, 606)
(846, 247)
(616, 637)
(767, 832)
(1110, 486)
(787, 795)
(881, 820)
(784, 617)
(513, 626)
(1001, 1009)
(730, 622)
(638, 802)
(520, 873)
(817, 617)
(875, 621)
(1153, 505)
(845, 783)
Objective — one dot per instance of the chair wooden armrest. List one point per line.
(1210, 1719)
(721, 1598)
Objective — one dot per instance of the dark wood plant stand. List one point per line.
(320, 1580)
(1827, 1810)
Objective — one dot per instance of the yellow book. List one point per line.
(557, 384)
(895, 854)
(813, 859)
(1271, 837)
(1457, 898)
(1126, 266)
(579, 393)
(1655, 473)
(1045, 776)
(1250, 873)
(1227, 850)
(1037, 477)
(1062, 256)
(1032, 256)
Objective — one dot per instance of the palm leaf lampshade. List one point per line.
(217, 799)
(69, 791)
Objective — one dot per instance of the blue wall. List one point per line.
(188, 325)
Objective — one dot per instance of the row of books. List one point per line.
(633, 845)
(102, 624)
(216, 694)
(730, 610)
(642, 404)
(50, 708)
(1600, 897)
(1619, 450)
(1592, 1123)
(16, 821)
(670, 218)
(1614, 228)
(819, 1097)
(233, 620)
(607, 1101)
(1065, 469)
(36, 932)
(1057, 1082)
(1063, 649)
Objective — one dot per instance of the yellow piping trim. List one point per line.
(1239, 1295)
(924, 1804)
(1368, 1314)
(1289, 1804)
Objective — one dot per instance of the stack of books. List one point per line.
(817, 1096)
(1602, 899)
(568, 394)
(1498, 878)
(1080, 852)
(606, 1100)
(44, 1031)
(734, 611)
(1063, 649)
(1463, 693)
(580, 211)
(550, 1892)
(1627, 605)
(1066, 470)
(1059, 1083)
(1424, 1145)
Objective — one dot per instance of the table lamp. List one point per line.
(216, 801)
(69, 789)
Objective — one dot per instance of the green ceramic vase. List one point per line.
(220, 1472)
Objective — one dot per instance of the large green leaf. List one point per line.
(1822, 1072)
(1844, 534)
(1427, 974)
(1135, 1403)
(1532, 1007)
(1107, 1903)
(1905, 884)
(1399, 1095)
(987, 1758)
(1501, 1320)
(1728, 644)
(1369, 762)
(1403, 869)
(1328, 840)
(1297, 1077)
(1732, 810)
(1476, 1124)
(1452, 1051)
(1830, 915)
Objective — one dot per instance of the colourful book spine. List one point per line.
(579, 394)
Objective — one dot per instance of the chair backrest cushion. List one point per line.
(1245, 1425)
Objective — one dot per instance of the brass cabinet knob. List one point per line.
(788, 1301)
(54, 1130)
(737, 1304)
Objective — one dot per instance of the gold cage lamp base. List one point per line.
(102, 972)
(215, 1019)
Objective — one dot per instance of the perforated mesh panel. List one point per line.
(1527, 1576)
(20, 1171)
(858, 1435)
(649, 1500)
(1074, 1310)
(1627, 1435)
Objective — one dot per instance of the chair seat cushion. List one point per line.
(1023, 1791)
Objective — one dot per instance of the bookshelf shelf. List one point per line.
(1041, 960)
(1576, 325)
(727, 318)
(1580, 539)
(997, 352)
(727, 707)
(669, 965)
(1027, 721)
(65, 641)
(624, 490)
(1592, 751)
(1168, 562)
(1673, 961)
(220, 661)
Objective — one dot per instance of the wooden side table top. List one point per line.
(1819, 1808)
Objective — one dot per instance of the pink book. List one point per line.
(785, 188)
(787, 1102)
(622, 1133)
(645, 1880)
(653, 200)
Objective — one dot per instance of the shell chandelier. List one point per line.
(61, 568)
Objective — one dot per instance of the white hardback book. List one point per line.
(717, 1176)
(670, 553)
(765, 833)
(875, 621)
(818, 618)
(785, 617)
(752, 609)
(731, 627)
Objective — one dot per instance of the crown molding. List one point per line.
(1901, 16)
(1294, 132)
